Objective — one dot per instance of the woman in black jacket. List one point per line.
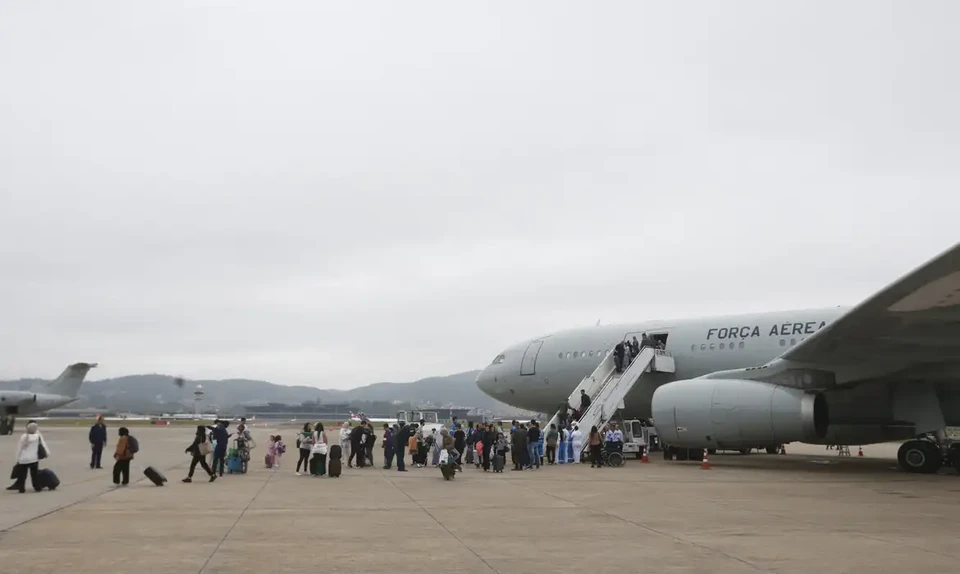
(199, 456)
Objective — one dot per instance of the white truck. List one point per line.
(430, 420)
(637, 435)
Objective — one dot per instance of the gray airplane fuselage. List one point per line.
(539, 374)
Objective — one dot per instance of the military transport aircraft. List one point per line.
(886, 369)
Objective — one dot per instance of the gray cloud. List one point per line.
(339, 194)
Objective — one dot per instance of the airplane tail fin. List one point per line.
(68, 383)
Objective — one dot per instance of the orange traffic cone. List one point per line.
(860, 452)
(644, 458)
(705, 465)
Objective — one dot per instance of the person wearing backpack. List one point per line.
(127, 446)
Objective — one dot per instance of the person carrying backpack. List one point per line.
(127, 446)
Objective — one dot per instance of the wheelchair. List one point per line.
(612, 456)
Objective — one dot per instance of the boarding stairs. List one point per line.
(607, 388)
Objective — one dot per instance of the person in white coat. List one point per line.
(345, 440)
(30, 451)
(577, 443)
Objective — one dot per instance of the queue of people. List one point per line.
(484, 445)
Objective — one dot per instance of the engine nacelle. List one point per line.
(731, 413)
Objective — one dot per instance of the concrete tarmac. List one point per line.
(808, 511)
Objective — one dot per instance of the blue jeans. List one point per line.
(534, 455)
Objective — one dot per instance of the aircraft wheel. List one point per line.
(668, 452)
(746, 450)
(920, 456)
(772, 450)
(711, 451)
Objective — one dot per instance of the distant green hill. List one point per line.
(158, 392)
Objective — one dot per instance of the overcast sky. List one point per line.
(338, 193)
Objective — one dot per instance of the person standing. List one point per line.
(388, 446)
(401, 441)
(369, 440)
(356, 446)
(304, 443)
(618, 354)
(318, 463)
(222, 437)
(98, 439)
(489, 446)
(596, 446)
(459, 442)
(577, 440)
(345, 441)
(584, 404)
(30, 451)
(199, 454)
(519, 444)
(123, 456)
(552, 438)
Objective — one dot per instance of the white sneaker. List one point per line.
(298, 474)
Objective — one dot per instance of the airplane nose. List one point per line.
(485, 381)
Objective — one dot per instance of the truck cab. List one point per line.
(638, 434)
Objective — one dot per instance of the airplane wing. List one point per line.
(910, 327)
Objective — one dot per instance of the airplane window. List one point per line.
(583, 353)
(793, 342)
(575, 354)
(703, 347)
(498, 360)
(721, 346)
(599, 353)
(783, 343)
(591, 353)
(693, 347)
(561, 355)
(741, 344)
(712, 346)
(568, 354)
(731, 346)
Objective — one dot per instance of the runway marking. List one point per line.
(442, 525)
(235, 522)
(654, 530)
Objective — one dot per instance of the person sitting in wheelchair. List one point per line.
(614, 439)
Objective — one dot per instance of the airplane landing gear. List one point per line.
(921, 456)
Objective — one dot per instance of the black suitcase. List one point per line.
(448, 471)
(46, 478)
(336, 453)
(336, 465)
(154, 475)
(498, 463)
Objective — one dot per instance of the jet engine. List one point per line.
(728, 413)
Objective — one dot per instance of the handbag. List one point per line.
(319, 448)
(41, 451)
(205, 448)
(444, 457)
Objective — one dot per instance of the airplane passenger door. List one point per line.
(528, 365)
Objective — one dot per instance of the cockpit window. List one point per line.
(498, 360)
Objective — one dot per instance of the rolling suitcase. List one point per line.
(46, 478)
(234, 464)
(498, 463)
(154, 475)
(268, 460)
(449, 471)
(335, 467)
